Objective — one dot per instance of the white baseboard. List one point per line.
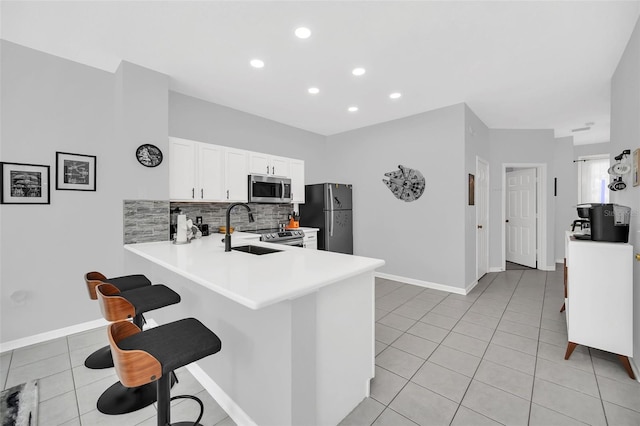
(547, 268)
(636, 370)
(228, 405)
(496, 269)
(50, 335)
(471, 287)
(420, 283)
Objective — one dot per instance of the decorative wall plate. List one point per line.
(149, 155)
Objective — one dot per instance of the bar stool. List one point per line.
(102, 357)
(151, 356)
(119, 305)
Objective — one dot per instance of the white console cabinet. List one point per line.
(599, 297)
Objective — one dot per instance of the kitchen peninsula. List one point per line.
(297, 325)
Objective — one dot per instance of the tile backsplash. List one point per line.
(213, 214)
(145, 221)
(148, 220)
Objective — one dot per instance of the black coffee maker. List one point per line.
(583, 222)
(609, 222)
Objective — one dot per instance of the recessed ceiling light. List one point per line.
(313, 90)
(358, 71)
(353, 108)
(302, 32)
(395, 95)
(257, 63)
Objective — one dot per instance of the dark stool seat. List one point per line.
(102, 357)
(150, 356)
(119, 305)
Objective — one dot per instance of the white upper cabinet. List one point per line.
(297, 181)
(265, 164)
(236, 175)
(182, 173)
(210, 172)
(205, 172)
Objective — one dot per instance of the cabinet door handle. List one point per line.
(227, 194)
(267, 169)
(273, 170)
(193, 193)
(202, 193)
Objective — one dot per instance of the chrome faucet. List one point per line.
(227, 235)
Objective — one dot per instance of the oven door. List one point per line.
(268, 189)
(296, 242)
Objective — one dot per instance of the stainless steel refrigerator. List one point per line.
(328, 207)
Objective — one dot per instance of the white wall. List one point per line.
(519, 147)
(625, 134)
(423, 239)
(476, 145)
(195, 119)
(50, 104)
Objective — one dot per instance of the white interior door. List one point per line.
(521, 217)
(482, 217)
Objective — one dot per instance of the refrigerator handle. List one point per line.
(331, 203)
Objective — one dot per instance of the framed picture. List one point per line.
(635, 168)
(75, 172)
(472, 190)
(24, 184)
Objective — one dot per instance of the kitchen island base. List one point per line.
(304, 361)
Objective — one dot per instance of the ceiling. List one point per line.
(518, 65)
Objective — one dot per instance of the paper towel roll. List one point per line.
(181, 229)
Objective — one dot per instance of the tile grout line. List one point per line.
(425, 361)
(535, 366)
(485, 351)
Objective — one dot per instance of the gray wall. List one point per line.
(195, 119)
(625, 134)
(566, 171)
(477, 144)
(519, 147)
(50, 104)
(422, 239)
(591, 149)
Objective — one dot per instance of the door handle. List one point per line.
(479, 226)
(507, 220)
(638, 257)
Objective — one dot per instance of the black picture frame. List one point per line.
(75, 172)
(149, 155)
(23, 183)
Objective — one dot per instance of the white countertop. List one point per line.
(255, 281)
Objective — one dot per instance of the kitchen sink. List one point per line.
(255, 249)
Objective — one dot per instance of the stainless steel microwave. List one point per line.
(269, 189)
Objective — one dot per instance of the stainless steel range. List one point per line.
(293, 237)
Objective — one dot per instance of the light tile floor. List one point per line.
(68, 391)
(492, 357)
(495, 356)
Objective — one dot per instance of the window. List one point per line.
(593, 178)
